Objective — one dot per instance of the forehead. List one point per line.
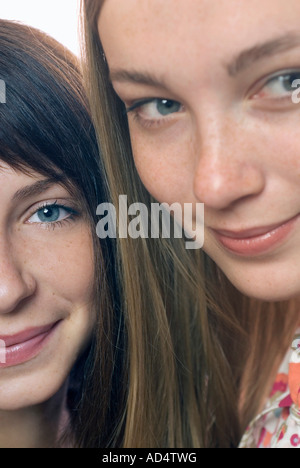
(146, 30)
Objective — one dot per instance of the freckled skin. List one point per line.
(46, 275)
(222, 149)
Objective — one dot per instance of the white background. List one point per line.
(59, 18)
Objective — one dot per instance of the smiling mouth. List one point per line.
(24, 346)
(255, 241)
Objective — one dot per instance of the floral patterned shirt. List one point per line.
(278, 425)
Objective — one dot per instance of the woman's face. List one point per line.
(46, 287)
(208, 85)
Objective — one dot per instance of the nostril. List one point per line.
(220, 185)
(15, 291)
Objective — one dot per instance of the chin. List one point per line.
(267, 296)
(271, 279)
(22, 390)
(268, 290)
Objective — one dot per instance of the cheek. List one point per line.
(62, 263)
(165, 164)
(287, 150)
(277, 143)
(74, 268)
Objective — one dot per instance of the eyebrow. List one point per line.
(261, 51)
(36, 189)
(136, 77)
(243, 60)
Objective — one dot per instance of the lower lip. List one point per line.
(24, 352)
(258, 244)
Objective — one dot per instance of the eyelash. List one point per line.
(138, 104)
(73, 214)
(149, 123)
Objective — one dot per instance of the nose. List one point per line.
(227, 168)
(16, 284)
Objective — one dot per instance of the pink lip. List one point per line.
(23, 346)
(256, 240)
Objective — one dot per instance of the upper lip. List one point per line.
(251, 232)
(26, 335)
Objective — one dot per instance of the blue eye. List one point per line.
(166, 107)
(154, 109)
(279, 86)
(51, 214)
(283, 84)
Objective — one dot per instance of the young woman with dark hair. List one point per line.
(61, 328)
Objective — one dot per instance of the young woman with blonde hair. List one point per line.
(185, 112)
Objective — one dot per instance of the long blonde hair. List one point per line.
(199, 350)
